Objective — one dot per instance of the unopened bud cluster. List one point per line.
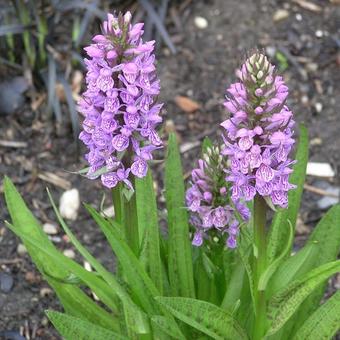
(208, 202)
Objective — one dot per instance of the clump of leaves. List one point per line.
(163, 288)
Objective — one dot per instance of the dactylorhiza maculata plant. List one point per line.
(119, 104)
(209, 203)
(163, 287)
(259, 133)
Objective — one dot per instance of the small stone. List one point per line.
(319, 34)
(6, 282)
(201, 22)
(55, 239)
(12, 94)
(45, 291)
(304, 100)
(327, 201)
(69, 253)
(319, 169)
(271, 51)
(87, 266)
(44, 321)
(280, 14)
(298, 17)
(219, 37)
(108, 212)
(316, 141)
(21, 249)
(50, 229)
(31, 277)
(69, 204)
(312, 67)
(318, 107)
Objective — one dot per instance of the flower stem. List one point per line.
(117, 202)
(130, 221)
(126, 215)
(260, 211)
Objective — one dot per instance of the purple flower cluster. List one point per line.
(258, 135)
(119, 109)
(208, 202)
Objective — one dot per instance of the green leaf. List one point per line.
(283, 305)
(245, 252)
(323, 323)
(280, 228)
(143, 288)
(204, 316)
(291, 268)
(326, 237)
(74, 328)
(167, 326)
(234, 288)
(179, 255)
(48, 259)
(148, 220)
(207, 143)
(271, 269)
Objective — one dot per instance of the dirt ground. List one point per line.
(307, 39)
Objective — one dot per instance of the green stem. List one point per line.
(260, 211)
(117, 203)
(130, 221)
(126, 216)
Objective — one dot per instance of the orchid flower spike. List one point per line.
(258, 135)
(211, 211)
(119, 104)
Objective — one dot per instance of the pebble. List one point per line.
(201, 22)
(318, 107)
(87, 266)
(69, 204)
(280, 14)
(108, 212)
(21, 249)
(327, 201)
(316, 141)
(319, 169)
(319, 34)
(31, 277)
(298, 17)
(55, 239)
(271, 50)
(69, 253)
(12, 94)
(45, 291)
(50, 229)
(6, 282)
(304, 100)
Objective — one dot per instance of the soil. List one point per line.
(203, 67)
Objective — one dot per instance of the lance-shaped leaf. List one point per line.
(205, 317)
(71, 327)
(140, 283)
(49, 260)
(147, 219)
(179, 247)
(323, 323)
(167, 326)
(326, 238)
(284, 304)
